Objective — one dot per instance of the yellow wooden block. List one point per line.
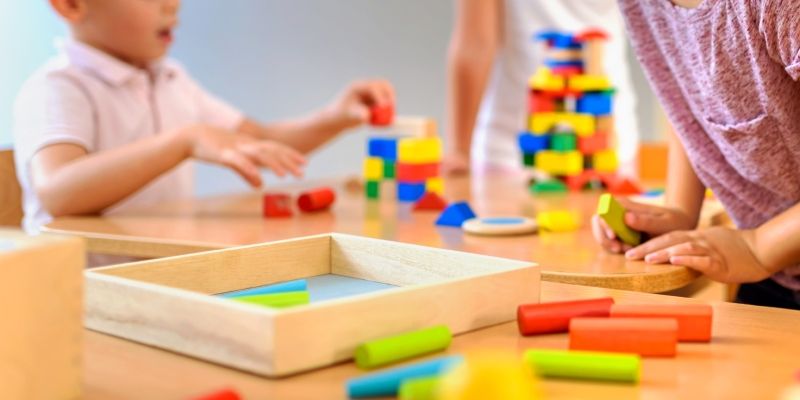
(373, 168)
(560, 163)
(541, 123)
(586, 83)
(572, 163)
(583, 124)
(543, 79)
(558, 221)
(605, 161)
(419, 150)
(435, 185)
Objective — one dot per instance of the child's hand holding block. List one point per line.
(613, 214)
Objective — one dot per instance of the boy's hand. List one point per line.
(455, 164)
(243, 154)
(351, 107)
(723, 254)
(650, 219)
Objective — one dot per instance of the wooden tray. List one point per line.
(166, 302)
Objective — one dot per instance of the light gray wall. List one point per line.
(278, 58)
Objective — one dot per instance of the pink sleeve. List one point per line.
(779, 23)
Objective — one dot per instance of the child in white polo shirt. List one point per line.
(109, 123)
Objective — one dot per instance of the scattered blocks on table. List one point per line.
(381, 115)
(387, 383)
(605, 161)
(589, 365)
(380, 352)
(613, 214)
(373, 168)
(410, 191)
(299, 285)
(430, 201)
(372, 189)
(694, 320)
(382, 147)
(277, 205)
(417, 172)
(648, 337)
(535, 319)
(558, 221)
(489, 375)
(419, 150)
(314, 200)
(455, 215)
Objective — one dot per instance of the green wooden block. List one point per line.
(373, 189)
(564, 142)
(276, 300)
(613, 213)
(585, 365)
(528, 159)
(389, 169)
(549, 186)
(404, 346)
(419, 388)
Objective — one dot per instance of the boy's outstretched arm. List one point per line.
(348, 110)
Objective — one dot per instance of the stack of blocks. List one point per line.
(570, 123)
(412, 161)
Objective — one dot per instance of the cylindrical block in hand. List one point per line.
(381, 115)
(540, 318)
(694, 320)
(316, 200)
(397, 348)
(585, 365)
(656, 337)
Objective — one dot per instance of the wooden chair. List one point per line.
(10, 192)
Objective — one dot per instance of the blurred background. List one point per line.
(275, 59)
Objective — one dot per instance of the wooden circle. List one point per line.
(500, 226)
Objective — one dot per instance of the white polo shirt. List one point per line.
(91, 99)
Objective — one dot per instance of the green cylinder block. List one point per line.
(400, 347)
(585, 365)
(276, 300)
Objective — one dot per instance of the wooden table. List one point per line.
(202, 224)
(754, 354)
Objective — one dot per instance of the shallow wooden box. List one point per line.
(166, 302)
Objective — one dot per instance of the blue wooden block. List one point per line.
(382, 147)
(531, 144)
(387, 383)
(455, 215)
(598, 103)
(299, 285)
(563, 64)
(558, 40)
(548, 35)
(410, 191)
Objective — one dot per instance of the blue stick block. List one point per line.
(562, 64)
(410, 191)
(385, 148)
(595, 104)
(299, 285)
(387, 383)
(532, 144)
(455, 215)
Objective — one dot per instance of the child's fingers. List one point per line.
(292, 164)
(659, 243)
(634, 206)
(682, 249)
(608, 242)
(646, 222)
(242, 165)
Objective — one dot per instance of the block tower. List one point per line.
(571, 125)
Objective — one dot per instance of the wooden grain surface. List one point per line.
(10, 194)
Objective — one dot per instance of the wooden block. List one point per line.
(648, 337)
(565, 54)
(694, 320)
(417, 172)
(277, 205)
(577, 183)
(548, 186)
(383, 351)
(388, 382)
(605, 161)
(535, 319)
(606, 125)
(430, 201)
(381, 115)
(419, 150)
(589, 365)
(455, 215)
(582, 124)
(563, 142)
(624, 187)
(653, 159)
(389, 169)
(540, 102)
(421, 127)
(614, 215)
(593, 143)
(589, 83)
(544, 80)
(166, 303)
(224, 394)
(435, 185)
(382, 147)
(489, 374)
(373, 169)
(541, 123)
(372, 189)
(593, 42)
(314, 200)
(531, 144)
(596, 103)
(558, 221)
(41, 280)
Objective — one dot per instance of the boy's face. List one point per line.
(136, 31)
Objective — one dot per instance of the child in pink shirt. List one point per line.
(727, 74)
(110, 122)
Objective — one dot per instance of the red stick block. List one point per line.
(534, 319)
(316, 200)
(694, 320)
(416, 172)
(225, 394)
(648, 337)
(381, 115)
(277, 205)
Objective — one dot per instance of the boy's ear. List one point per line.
(70, 10)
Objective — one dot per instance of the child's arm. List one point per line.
(70, 181)
(473, 44)
(350, 109)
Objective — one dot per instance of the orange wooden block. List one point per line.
(577, 182)
(694, 320)
(653, 337)
(593, 144)
(653, 162)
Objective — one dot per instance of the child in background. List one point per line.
(108, 124)
(727, 74)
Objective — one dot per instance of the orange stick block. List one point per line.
(694, 320)
(648, 337)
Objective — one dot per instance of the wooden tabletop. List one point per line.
(753, 355)
(201, 224)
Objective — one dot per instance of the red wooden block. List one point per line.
(381, 115)
(540, 318)
(316, 200)
(577, 182)
(416, 172)
(567, 71)
(694, 320)
(623, 187)
(655, 337)
(277, 205)
(225, 394)
(593, 144)
(539, 102)
(430, 201)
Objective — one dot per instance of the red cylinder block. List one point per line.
(225, 394)
(316, 200)
(381, 115)
(534, 319)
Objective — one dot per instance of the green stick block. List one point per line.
(276, 300)
(389, 169)
(397, 348)
(585, 365)
(613, 213)
(529, 159)
(549, 186)
(419, 388)
(563, 142)
(373, 189)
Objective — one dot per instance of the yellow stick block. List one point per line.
(419, 150)
(605, 161)
(587, 83)
(373, 168)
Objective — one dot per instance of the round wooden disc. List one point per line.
(500, 226)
